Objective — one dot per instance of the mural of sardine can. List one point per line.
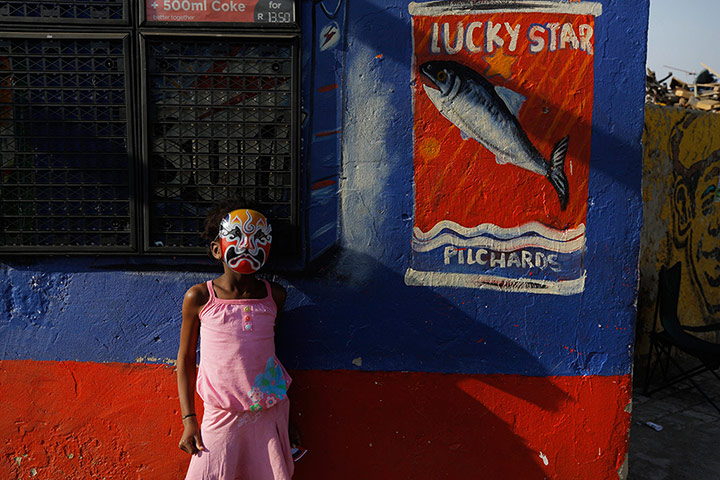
(502, 105)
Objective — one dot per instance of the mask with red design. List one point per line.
(245, 238)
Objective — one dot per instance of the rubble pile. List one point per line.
(704, 94)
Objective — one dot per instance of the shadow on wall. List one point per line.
(681, 189)
(431, 416)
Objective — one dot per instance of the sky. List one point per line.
(683, 33)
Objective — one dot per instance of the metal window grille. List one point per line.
(64, 165)
(219, 125)
(64, 11)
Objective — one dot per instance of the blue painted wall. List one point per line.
(353, 303)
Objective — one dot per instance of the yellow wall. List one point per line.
(681, 208)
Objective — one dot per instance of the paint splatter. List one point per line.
(327, 88)
(148, 359)
(429, 148)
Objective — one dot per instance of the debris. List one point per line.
(708, 105)
(654, 426)
(711, 70)
(704, 94)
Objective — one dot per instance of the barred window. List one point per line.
(121, 141)
(222, 132)
(66, 11)
(65, 170)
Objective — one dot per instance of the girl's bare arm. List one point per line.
(194, 300)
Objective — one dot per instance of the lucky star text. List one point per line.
(485, 37)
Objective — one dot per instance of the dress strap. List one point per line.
(211, 300)
(267, 286)
(211, 291)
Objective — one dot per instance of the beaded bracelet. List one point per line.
(188, 415)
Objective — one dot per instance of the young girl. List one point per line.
(244, 433)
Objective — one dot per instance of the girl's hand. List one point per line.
(191, 441)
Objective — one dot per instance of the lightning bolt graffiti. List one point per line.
(328, 36)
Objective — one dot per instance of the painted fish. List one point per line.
(487, 113)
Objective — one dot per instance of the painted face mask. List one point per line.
(245, 238)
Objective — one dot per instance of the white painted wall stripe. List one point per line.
(533, 241)
(453, 7)
(415, 278)
(500, 232)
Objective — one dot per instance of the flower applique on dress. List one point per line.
(256, 395)
(270, 386)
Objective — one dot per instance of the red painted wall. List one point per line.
(120, 421)
(89, 420)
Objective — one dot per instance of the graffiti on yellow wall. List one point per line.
(681, 192)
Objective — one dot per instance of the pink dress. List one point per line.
(244, 391)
